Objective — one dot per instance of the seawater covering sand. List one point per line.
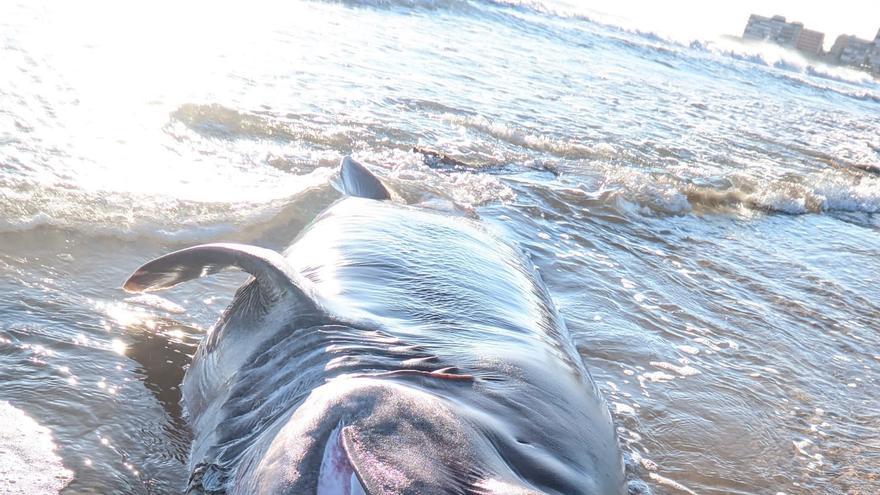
(28, 462)
(703, 213)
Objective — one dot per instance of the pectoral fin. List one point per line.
(270, 270)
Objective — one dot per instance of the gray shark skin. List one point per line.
(388, 350)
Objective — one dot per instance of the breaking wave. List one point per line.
(405, 170)
(632, 32)
(831, 190)
(530, 139)
(26, 205)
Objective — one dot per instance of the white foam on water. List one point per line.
(157, 302)
(531, 139)
(466, 189)
(777, 57)
(410, 4)
(689, 349)
(620, 408)
(25, 205)
(684, 370)
(829, 190)
(651, 27)
(28, 462)
(670, 483)
(656, 376)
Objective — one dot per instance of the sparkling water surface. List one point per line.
(704, 213)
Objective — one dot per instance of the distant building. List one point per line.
(847, 49)
(773, 29)
(811, 42)
(783, 33)
(850, 50)
(874, 55)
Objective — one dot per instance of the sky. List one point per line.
(706, 18)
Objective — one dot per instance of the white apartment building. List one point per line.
(781, 32)
(850, 50)
(773, 29)
(847, 49)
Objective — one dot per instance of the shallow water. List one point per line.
(699, 212)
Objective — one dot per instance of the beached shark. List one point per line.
(389, 350)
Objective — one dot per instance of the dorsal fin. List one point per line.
(269, 269)
(358, 181)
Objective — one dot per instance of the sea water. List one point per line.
(702, 211)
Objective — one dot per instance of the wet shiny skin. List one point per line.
(706, 239)
(437, 349)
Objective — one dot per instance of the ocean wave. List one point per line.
(635, 33)
(406, 173)
(832, 190)
(536, 141)
(533, 6)
(787, 61)
(406, 4)
(215, 121)
(861, 85)
(27, 205)
(856, 94)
